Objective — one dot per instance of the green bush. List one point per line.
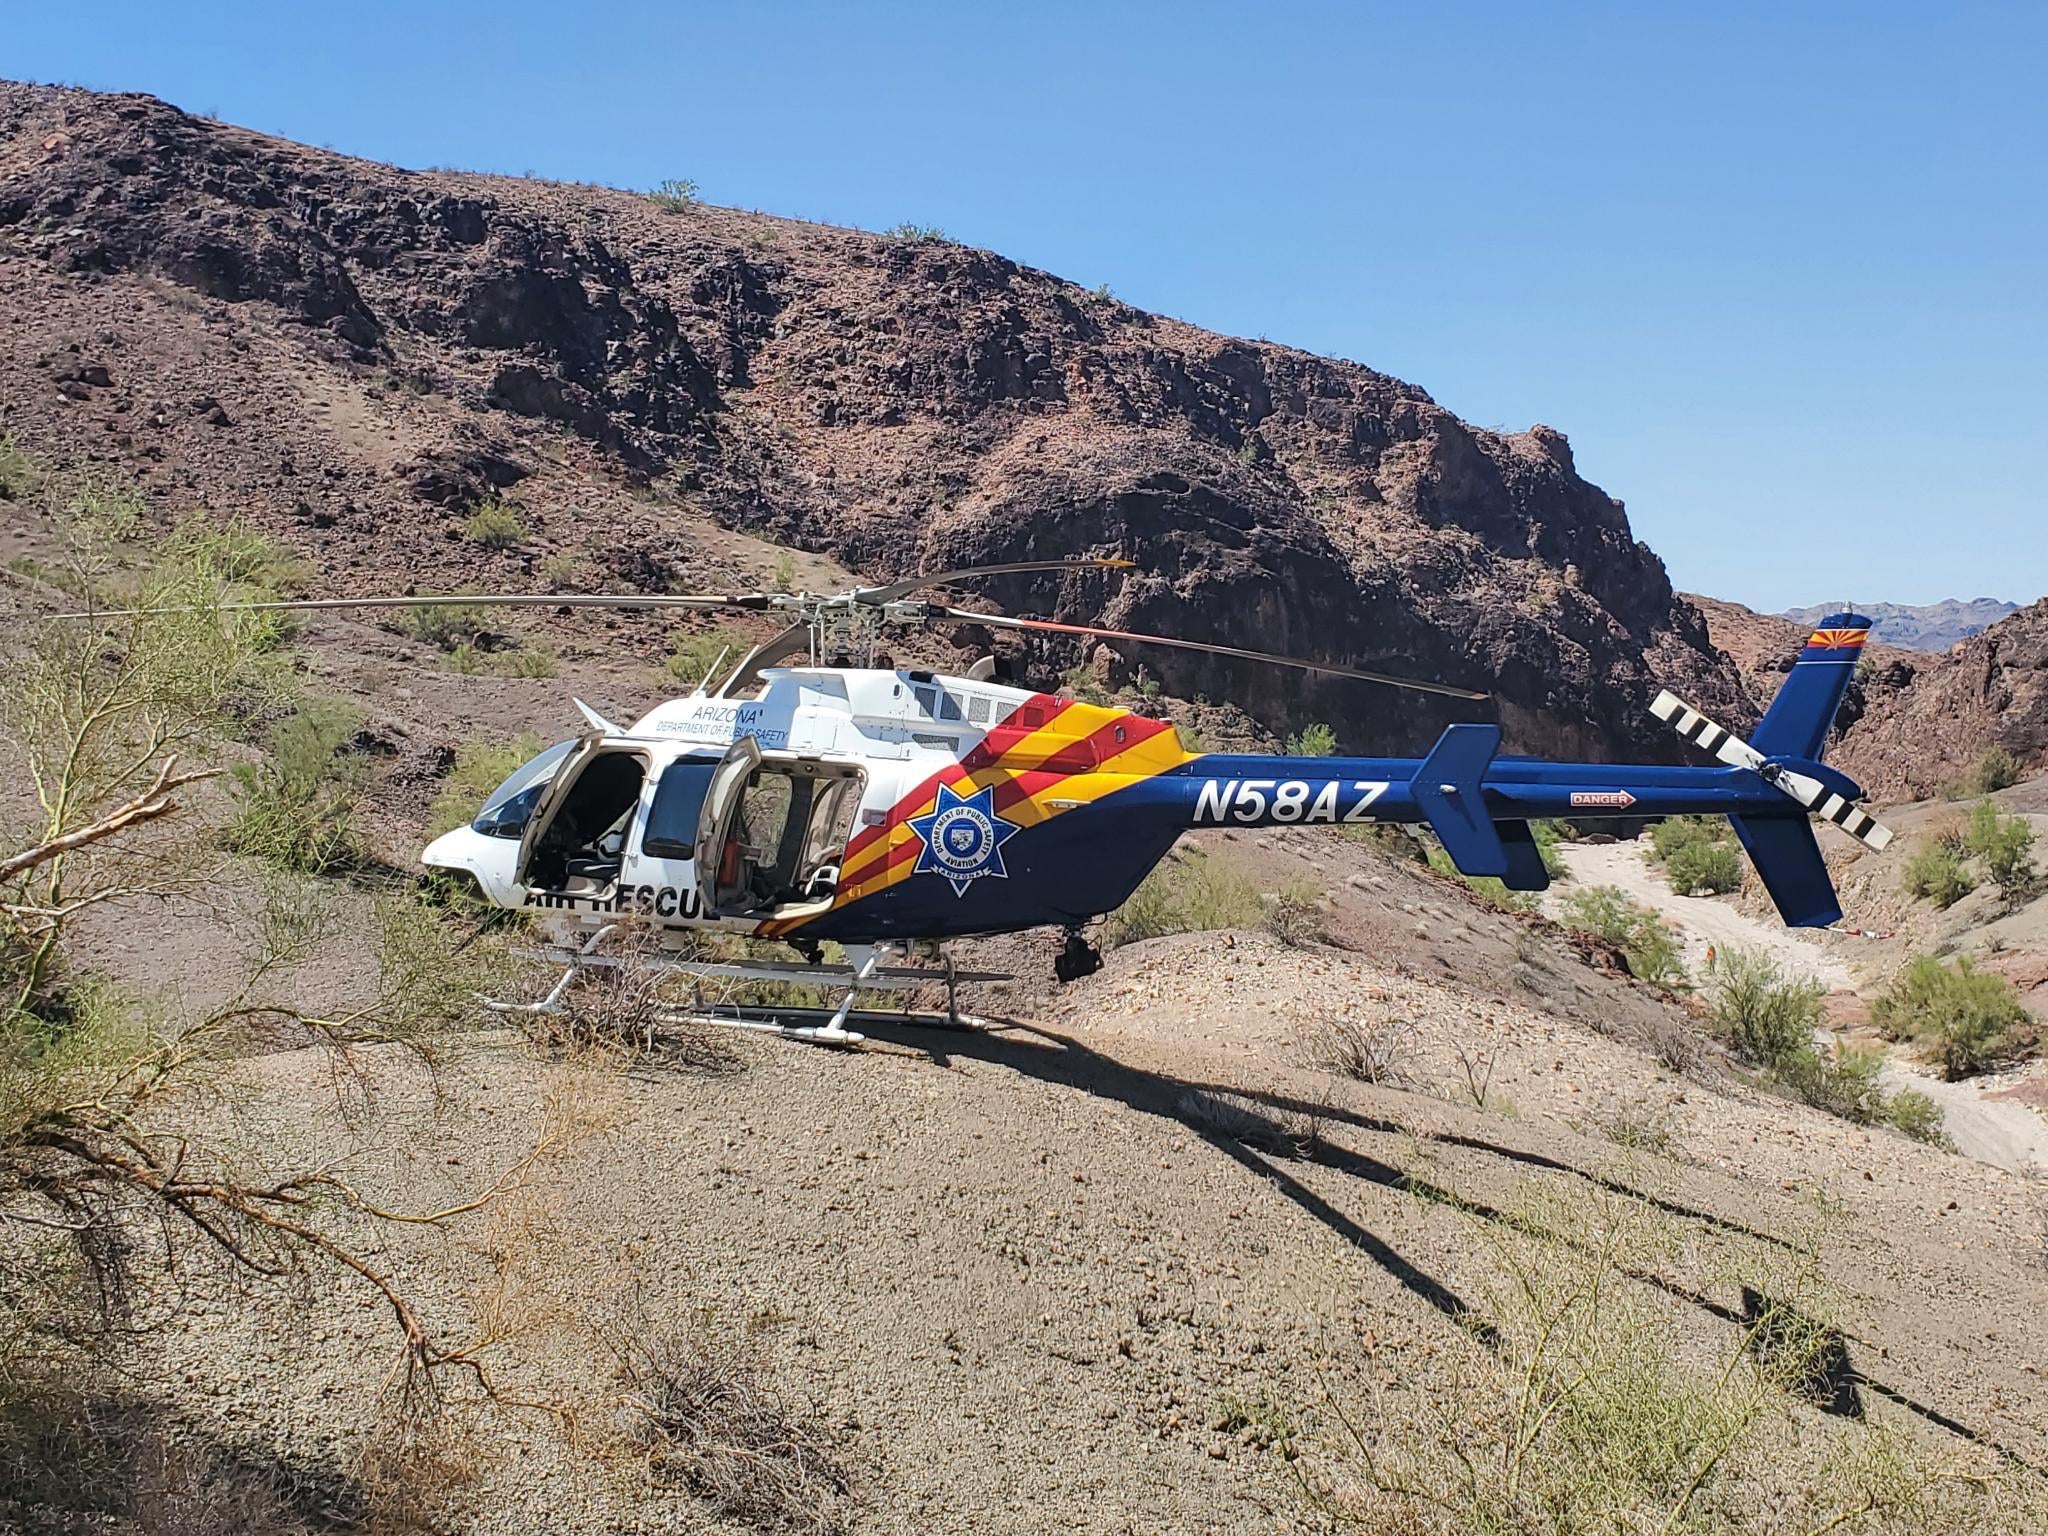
(915, 234)
(1651, 950)
(1670, 836)
(1549, 833)
(1715, 868)
(1964, 1019)
(295, 807)
(2005, 844)
(1997, 769)
(1080, 682)
(1189, 892)
(677, 194)
(1313, 741)
(1489, 890)
(1765, 1016)
(695, 655)
(1914, 1113)
(448, 625)
(19, 476)
(495, 526)
(1939, 873)
(480, 767)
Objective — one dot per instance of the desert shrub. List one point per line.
(1675, 833)
(1187, 892)
(1080, 682)
(1712, 867)
(1294, 915)
(495, 526)
(1376, 1051)
(448, 625)
(677, 194)
(19, 477)
(295, 806)
(2006, 845)
(783, 578)
(480, 766)
(914, 234)
(1549, 834)
(1572, 1404)
(1494, 893)
(712, 1425)
(1964, 1019)
(1997, 769)
(695, 656)
(1249, 1123)
(1939, 873)
(521, 659)
(112, 716)
(1765, 1015)
(1651, 949)
(1914, 1113)
(1316, 740)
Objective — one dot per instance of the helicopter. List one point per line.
(817, 793)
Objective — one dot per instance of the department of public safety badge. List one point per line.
(963, 838)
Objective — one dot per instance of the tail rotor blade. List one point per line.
(1737, 753)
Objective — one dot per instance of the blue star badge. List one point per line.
(963, 838)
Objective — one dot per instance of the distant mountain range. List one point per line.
(1921, 626)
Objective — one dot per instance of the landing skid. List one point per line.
(865, 972)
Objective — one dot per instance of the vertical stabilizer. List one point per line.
(1796, 724)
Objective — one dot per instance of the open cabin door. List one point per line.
(550, 802)
(721, 803)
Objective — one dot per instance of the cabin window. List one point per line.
(510, 806)
(678, 804)
(949, 707)
(977, 711)
(927, 699)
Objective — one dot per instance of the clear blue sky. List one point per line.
(1779, 270)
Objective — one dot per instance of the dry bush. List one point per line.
(1573, 1406)
(1377, 1051)
(626, 1008)
(711, 1424)
(1234, 1117)
(1294, 915)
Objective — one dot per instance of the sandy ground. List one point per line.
(2004, 1131)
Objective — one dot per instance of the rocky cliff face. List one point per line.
(352, 354)
(1925, 726)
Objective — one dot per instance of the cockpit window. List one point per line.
(510, 806)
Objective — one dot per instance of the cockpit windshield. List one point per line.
(510, 806)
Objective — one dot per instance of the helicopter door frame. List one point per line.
(589, 747)
(721, 800)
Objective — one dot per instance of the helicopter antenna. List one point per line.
(711, 671)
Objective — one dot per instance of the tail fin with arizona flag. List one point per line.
(1797, 723)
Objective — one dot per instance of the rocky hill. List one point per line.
(1925, 726)
(1919, 627)
(352, 355)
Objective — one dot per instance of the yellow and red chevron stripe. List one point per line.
(1838, 639)
(1050, 756)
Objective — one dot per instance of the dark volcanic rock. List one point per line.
(1932, 722)
(899, 405)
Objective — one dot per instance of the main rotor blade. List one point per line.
(890, 591)
(750, 600)
(1004, 621)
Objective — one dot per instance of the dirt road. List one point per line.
(2002, 1132)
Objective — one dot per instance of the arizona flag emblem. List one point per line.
(963, 838)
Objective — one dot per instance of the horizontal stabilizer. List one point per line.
(1787, 857)
(1447, 788)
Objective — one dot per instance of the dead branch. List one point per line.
(148, 806)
